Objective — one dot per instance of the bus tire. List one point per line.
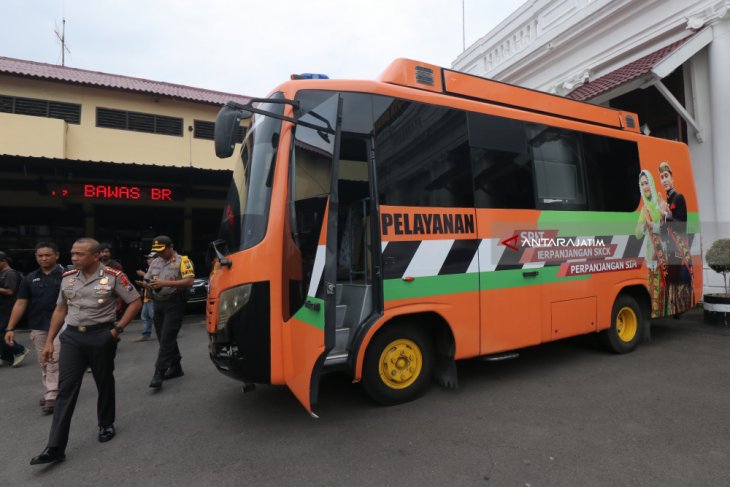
(626, 325)
(398, 364)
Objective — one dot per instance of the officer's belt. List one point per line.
(178, 296)
(95, 326)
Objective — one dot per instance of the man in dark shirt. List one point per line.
(37, 295)
(106, 257)
(14, 353)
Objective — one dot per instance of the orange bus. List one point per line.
(389, 228)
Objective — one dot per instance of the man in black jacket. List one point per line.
(13, 353)
(37, 297)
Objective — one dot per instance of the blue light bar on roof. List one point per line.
(309, 76)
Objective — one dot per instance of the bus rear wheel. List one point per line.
(626, 325)
(398, 365)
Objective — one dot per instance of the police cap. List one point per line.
(160, 243)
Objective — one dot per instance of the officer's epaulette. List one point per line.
(71, 272)
(113, 272)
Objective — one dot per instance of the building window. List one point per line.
(206, 130)
(70, 112)
(139, 122)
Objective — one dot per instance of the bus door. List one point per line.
(511, 297)
(313, 212)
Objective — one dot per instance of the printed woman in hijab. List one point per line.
(649, 225)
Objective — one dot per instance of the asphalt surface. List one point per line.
(566, 413)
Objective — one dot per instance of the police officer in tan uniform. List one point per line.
(87, 303)
(168, 277)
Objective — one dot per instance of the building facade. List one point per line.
(667, 60)
(116, 158)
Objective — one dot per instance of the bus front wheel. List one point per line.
(626, 324)
(398, 364)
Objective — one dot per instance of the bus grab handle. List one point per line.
(312, 306)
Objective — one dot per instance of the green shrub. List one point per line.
(718, 258)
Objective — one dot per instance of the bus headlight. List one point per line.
(230, 301)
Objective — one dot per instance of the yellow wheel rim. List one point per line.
(400, 363)
(627, 324)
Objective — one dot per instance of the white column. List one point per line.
(719, 67)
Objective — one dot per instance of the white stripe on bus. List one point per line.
(317, 271)
(429, 258)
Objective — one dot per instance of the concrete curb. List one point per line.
(693, 320)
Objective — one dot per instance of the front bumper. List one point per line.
(242, 348)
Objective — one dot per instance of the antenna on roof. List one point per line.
(62, 38)
(463, 26)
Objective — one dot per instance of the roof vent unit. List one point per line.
(414, 74)
(424, 75)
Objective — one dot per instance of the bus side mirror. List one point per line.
(226, 125)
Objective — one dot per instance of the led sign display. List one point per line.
(113, 192)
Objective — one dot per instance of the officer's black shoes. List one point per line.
(49, 455)
(173, 372)
(106, 433)
(156, 381)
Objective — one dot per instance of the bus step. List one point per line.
(499, 356)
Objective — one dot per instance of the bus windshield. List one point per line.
(246, 212)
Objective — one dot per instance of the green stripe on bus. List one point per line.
(420, 287)
(430, 286)
(693, 222)
(311, 317)
(595, 223)
(516, 278)
(588, 223)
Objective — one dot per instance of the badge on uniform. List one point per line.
(102, 289)
(104, 280)
(126, 283)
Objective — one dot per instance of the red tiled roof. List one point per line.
(625, 73)
(53, 72)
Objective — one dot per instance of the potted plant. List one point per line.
(717, 305)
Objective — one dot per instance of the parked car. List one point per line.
(198, 293)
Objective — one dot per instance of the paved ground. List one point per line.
(561, 414)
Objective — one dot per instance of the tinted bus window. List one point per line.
(557, 156)
(422, 156)
(503, 173)
(612, 166)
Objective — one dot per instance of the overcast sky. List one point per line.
(244, 46)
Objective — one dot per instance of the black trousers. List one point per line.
(97, 349)
(7, 353)
(168, 320)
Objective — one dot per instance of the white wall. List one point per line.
(556, 45)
